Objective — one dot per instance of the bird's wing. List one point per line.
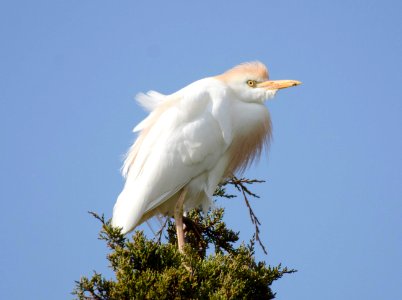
(183, 137)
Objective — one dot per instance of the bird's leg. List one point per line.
(178, 216)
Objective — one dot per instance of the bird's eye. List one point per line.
(251, 83)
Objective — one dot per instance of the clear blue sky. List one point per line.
(332, 204)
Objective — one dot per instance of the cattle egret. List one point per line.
(192, 140)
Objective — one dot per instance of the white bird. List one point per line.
(192, 140)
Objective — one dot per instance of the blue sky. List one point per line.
(332, 203)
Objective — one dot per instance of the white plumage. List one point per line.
(192, 139)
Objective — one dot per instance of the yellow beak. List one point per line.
(278, 84)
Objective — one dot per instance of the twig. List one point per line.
(96, 216)
(240, 186)
(160, 231)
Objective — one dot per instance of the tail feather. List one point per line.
(127, 211)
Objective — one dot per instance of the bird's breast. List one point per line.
(251, 132)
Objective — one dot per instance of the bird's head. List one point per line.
(250, 82)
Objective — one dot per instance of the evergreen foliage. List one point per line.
(149, 269)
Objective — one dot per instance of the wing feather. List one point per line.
(183, 137)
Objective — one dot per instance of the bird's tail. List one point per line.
(127, 211)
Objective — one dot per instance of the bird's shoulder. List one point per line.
(209, 87)
(188, 103)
